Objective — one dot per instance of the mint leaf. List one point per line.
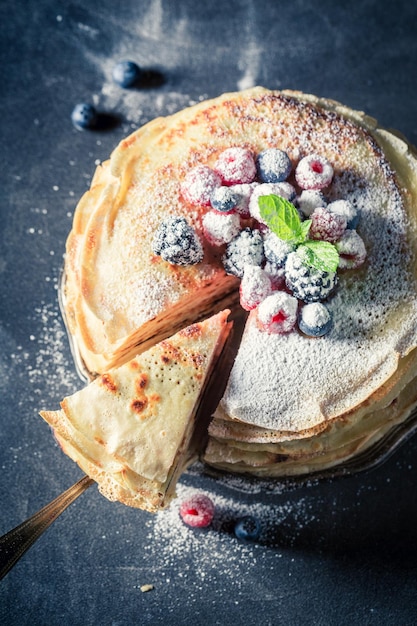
(281, 216)
(321, 255)
(305, 227)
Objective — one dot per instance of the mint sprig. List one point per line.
(282, 218)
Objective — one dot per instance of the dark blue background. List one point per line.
(341, 552)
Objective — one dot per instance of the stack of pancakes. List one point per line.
(292, 404)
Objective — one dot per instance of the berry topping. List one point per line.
(326, 226)
(351, 249)
(276, 250)
(283, 190)
(220, 228)
(254, 288)
(235, 166)
(314, 320)
(224, 199)
(126, 73)
(245, 249)
(307, 283)
(197, 511)
(177, 243)
(309, 200)
(276, 275)
(243, 193)
(278, 312)
(248, 528)
(346, 210)
(313, 172)
(273, 165)
(199, 184)
(84, 116)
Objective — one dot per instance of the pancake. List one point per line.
(132, 428)
(293, 404)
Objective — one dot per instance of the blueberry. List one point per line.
(273, 165)
(248, 528)
(84, 116)
(126, 73)
(223, 199)
(315, 320)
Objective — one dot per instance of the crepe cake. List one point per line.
(134, 429)
(293, 404)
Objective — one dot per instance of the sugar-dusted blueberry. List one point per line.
(126, 73)
(315, 319)
(248, 528)
(176, 242)
(314, 172)
(245, 249)
(220, 228)
(236, 166)
(223, 199)
(197, 511)
(199, 184)
(243, 194)
(276, 250)
(326, 226)
(310, 199)
(347, 210)
(277, 313)
(84, 116)
(273, 165)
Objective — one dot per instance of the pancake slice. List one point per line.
(131, 428)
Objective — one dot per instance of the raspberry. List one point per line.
(235, 166)
(326, 225)
(275, 274)
(273, 165)
(351, 249)
(223, 199)
(220, 228)
(248, 528)
(313, 172)
(245, 249)
(177, 243)
(309, 200)
(254, 288)
(307, 283)
(347, 210)
(199, 184)
(285, 190)
(197, 511)
(277, 313)
(314, 320)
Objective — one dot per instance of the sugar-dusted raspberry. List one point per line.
(326, 226)
(197, 511)
(345, 208)
(276, 275)
(220, 228)
(273, 165)
(310, 199)
(314, 172)
(315, 319)
(243, 194)
(177, 242)
(351, 249)
(199, 184)
(254, 287)
(284, 190)
(305, 282)
(277, 313)
(246, 248)
(235, 166)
